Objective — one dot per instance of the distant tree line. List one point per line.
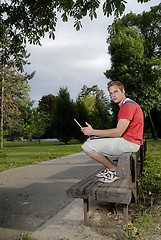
(91, 105)
(54, 116)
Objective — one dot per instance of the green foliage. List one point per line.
(98, 106)
(27, 237)
(12, 48)
(117, 6)
(32, 19)
(126, 60)
(89, 102)
(82, 115)
(149, 26)
(135, 56)
(46, 105)
(38, 124)
(12, 54)
(63, 122)
(91, 106)
(130, 230)
(16, 102)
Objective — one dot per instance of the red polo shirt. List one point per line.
(132, 111)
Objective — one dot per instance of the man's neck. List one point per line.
(122, 101)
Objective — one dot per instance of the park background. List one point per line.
(67, 76)
(35, 105)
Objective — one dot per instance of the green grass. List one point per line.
(27, 237)
(151, 179)
(17, 154)
(146, 215)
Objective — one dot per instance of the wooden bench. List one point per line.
(122, 191)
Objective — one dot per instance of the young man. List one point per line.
(126, 137)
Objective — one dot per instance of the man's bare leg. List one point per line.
(103, 160)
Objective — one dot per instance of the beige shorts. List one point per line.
(110, 147)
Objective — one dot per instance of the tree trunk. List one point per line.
(153, 127)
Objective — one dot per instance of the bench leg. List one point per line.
(141, 158)
(125, 213)
(134, 176)
(86, 210)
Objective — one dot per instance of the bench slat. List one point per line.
(78, 189)
(93, 189)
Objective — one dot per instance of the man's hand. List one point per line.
(87, 130)
(122, 125)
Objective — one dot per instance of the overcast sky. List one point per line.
(74, 58)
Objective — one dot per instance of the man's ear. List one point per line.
(123, 90)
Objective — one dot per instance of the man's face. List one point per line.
(116, 94)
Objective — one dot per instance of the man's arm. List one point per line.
(122, 125)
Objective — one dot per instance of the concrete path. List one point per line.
(31, 195)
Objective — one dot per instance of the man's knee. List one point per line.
(88, 153)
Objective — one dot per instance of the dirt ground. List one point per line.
(107, 220)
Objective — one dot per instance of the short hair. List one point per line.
(117, 83)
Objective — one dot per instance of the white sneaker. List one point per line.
(101, 174)
(109, 177)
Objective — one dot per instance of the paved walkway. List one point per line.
(31, 195)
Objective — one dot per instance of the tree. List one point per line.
(148, 24)
(82, 115)
(32, 19)
(63, 119)
(38, 124)
(46, 105)
(132, 62)
(97, 105)
(126, 56)
(12, 54)
(127, 59)
(17, 104)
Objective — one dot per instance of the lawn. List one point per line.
(17, 154)
(146, 215)
(151, 179)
